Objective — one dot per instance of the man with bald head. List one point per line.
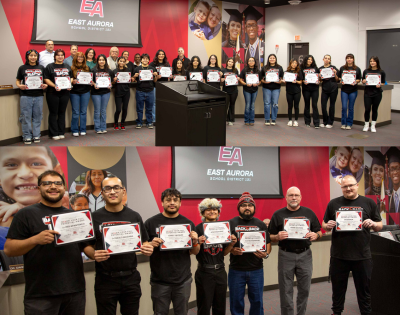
(350, 250)
(295, 257)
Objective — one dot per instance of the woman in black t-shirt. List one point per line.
(231, 90)
(178, 69)
(212, 66)
(194, 67)
(57, 98)
(293, 92)
(372, 94)
(310, 91)
(31, 100)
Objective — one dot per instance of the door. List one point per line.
(298, 51)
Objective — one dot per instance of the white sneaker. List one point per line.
(329, 126)
(295, 123)
(366, 127)
(83, 133)
(343, 127)
(104, 131)
(99, 132)
(230, 123)
(62, 136)
(373, 129)
(348, 128)
(75, 134)
(322, 125)
(56, 138)
(290, 123)
(267, 123)
(273, 123)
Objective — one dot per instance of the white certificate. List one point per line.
(231, 79)
(124, 77)
(297, 228)
(213, 76)
(311, 78)
(348, 221)
(84, 77)
(145, 75)
(250, 242)
(252, 78)
(179, 78)
(103, 82)
(62, 82)
(34, 82)
(348, 78)
(290, 77)
(327, 73)
(175, 236)
(272, 76)
(165, 72)
(73, 227)
(373, 79)
(197, 76)
(217, 232)
(387, 235)
(124, 238)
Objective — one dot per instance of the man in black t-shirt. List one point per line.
(350, 250)
(295, 257)
(117, 279)
(247, 268)
(170, 277)
(54, 280)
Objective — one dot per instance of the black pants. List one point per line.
(57, 103)
(293, 100)
(110, 290)
(328, 118)
(211, 288)
(64, 304)
(123, 102)
(361, 270)
(374, 102)
(313, 96)
(231, 106)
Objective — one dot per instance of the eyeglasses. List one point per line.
(251, 26)
(293, 196)
(348, 186)
(116, 188)
(394, 169)
(47, 183)
(244, 205)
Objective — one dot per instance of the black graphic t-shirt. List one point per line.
(158, 67)
(352, 245)
(30, 71)
(272, 85)
(329, 85)
(348, 88)
(57, 70)
(145, 86)
(232, 88)
(311, 86)
(121, 89)
(372, 91)
(217, 85)
(249, 89)
(209, 254)
(99, 73)
(294, 88)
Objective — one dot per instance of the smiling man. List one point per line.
(255, 47)
(394, 174)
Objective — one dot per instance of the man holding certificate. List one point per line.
(117, 279)
(294, 227)
(350, 250)
(54, 280)
(247, 268)
(171, 277)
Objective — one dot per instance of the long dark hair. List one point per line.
(200, 67)
(27, 56)
(182, 71)
(89, 186)
(216, 61)
(346, 66)
(297, 70)
(228, 35)
(248, 69)
(106, 67)
(118, 59)
(234, 70)
(268, 65)
(376, 59)
(305, 60)
(88, 51)
(155, 60)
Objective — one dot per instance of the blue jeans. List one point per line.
(100, 103)
(271, 96)
(31, 116)
(143, 98)
(237, 281)
(154, 106)
(249, 112)
(347, 118)
(79, 104)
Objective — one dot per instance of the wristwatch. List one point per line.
(266, 256)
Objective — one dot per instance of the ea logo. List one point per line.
(92, 9)
(230, 155)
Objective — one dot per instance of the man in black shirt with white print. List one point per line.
(295, 257)
(350, 251)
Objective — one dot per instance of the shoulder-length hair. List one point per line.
(155, 60)
(75, 67)
(268, 65)
(304, 63)
(346, 66)
(216, 61)
(182, 71)
(376, 59)
(89, 186)
(234, 70)
(297, 70)
(255, 65)
(200, 67)
(56, 53)
(88, 51)
(106, 67)
(118, 59)
(27, 56)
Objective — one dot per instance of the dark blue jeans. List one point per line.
(249, 110)
(79, 104)
(237, 281)
(347, 118)
(144, 99)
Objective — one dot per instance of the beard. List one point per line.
(293, 205)
(171, 212)
(247, 217)
(51, 199)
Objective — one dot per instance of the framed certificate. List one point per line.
(311, 78)
(252, 78)
(103, 82)
(34, 82)
(197, 76)
(179, 78)
(373, 79)
(250, 242)
(327, 73)
(272, 76)
(145, 75)
(73, 227)
(213, 76)
(296, 228)
(175, 236)
(231, 79)
(348, 221)
(348, 78)
(217, 232)
(290, 77)
(165, 72)
(62, 83)
(84, 78)
(124, 77)
(124, 238)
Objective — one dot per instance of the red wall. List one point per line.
(164, 25)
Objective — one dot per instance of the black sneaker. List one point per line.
(27, 141)
(36, 140)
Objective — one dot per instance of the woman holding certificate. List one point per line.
(58, 77)
(195, 70)
(250, 79)
(271, 76)
(212, 73)
(310, 74)
(122, 78)
(230, 87)
(293, 78)
(350, 76)
(30, 81)
(80, 94)
(373, 78)
(329, 77)
(178, 72)
(102, 78)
